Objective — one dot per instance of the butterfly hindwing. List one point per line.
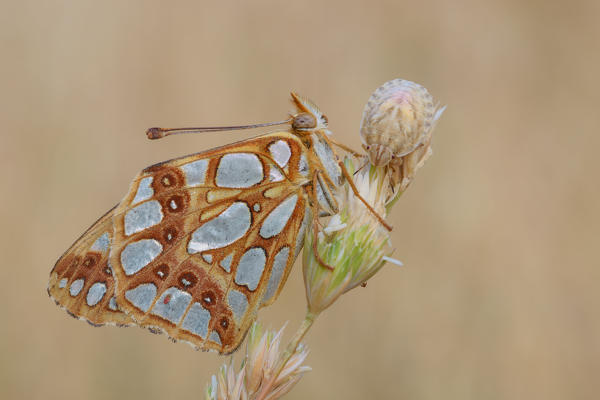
(202, 242)
(82, 283)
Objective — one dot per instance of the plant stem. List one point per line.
(287, 354)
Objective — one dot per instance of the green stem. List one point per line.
(287, 354)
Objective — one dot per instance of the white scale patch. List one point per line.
(101, 244)
(112, 304)
(226, 263)
(95, 294)
(196, 321)
(214, 336)
(303, 168)
(238, 303)
(76, 287)
(328, 159)
(139, 254)
(239, 170)
(275, 175)
(279, 264)
(250, 268)
(302, 231)
(278, 218)
(142, 217)
(142, 296)
(144, 191)
(325, 207)
(229, 226)
(281, 152)
(172, 304)
(256, 207)
(207, 258)
(62, 283)
(195, 172)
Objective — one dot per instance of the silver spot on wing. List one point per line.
(112, 304)
(238, 303)
(95, 294)
(195, 172)
(144, 191)
(275, 175)
(250, 268)
(139, 254)
(279, 264)
(142, 296)
(274, 223)
(229, 226)
(101, 244)
(142, 217)
(172, 304)
(303, 167)
(226, 263)
(281, 152)
(328, 159)
(196, 321)
(214, 336)
(302, 231)
(239, 170)
(76, 287)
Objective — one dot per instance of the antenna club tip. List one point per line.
(155, 133)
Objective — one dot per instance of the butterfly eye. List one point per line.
(304, 121)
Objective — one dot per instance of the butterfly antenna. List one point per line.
(158, 133)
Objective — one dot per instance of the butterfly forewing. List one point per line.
(82, 283)
(202, 242)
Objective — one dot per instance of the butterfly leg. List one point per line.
(345, 148)
(355, 191)
(351, 182)
(315, 222)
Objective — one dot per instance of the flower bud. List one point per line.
(396, 129)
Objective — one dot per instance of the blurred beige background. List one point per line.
(499, 233)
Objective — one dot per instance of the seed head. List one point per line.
(396, 130)
(353, 242)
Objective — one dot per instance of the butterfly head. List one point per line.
(308, 117)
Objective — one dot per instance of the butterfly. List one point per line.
(200, 243)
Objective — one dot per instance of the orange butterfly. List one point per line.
(200, 243)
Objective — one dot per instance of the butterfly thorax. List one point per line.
(310, 125)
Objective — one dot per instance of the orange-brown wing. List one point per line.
(81, 281)
(202, 242)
